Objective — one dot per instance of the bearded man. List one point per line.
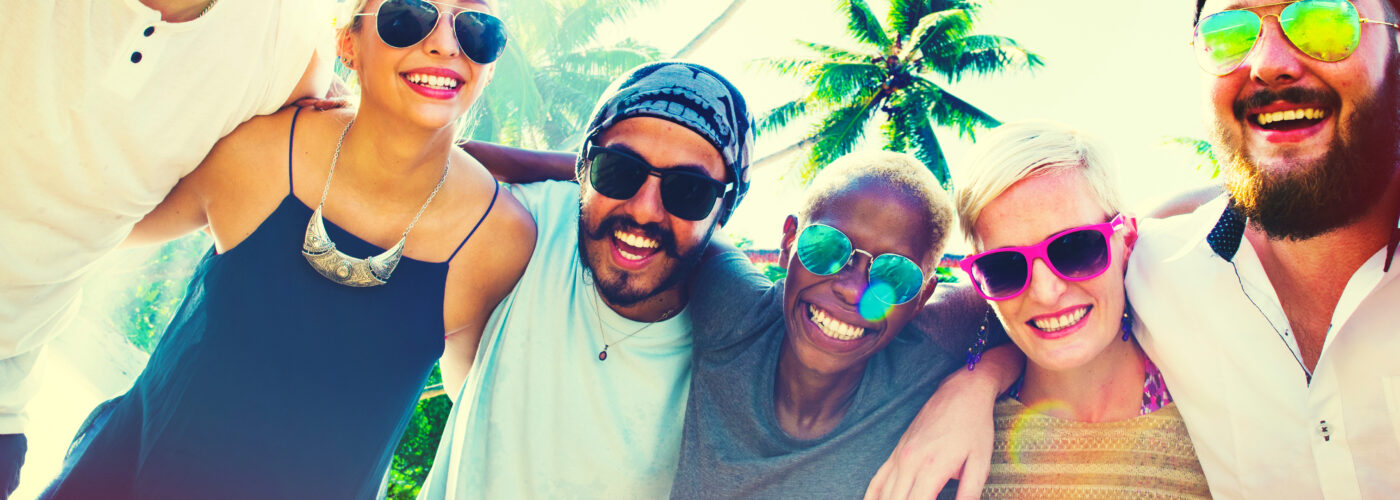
(578, 386)
(1272, 310)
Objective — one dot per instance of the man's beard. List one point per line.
(621, 289)
(1306, 201)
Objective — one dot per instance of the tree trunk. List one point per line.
(709, 31)
(781, 154)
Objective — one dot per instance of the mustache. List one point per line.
(1291, 95)
(614, 223)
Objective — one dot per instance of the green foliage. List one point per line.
(1206, 158)
(553, 70)
(945, 275)
(145, 309)
(774, 272)
(893, 75)
(418, 445)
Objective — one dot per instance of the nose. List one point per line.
(1045, 286)
(442, 41)
(850, 283)
(1274, 61)
(646, 205)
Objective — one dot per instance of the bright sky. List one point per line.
(1120, 70)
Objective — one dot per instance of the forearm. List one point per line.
(521, 165)
(999, 368)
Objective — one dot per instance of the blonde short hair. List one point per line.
(1024, 149)
(897, 171)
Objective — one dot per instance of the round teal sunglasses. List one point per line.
(824, 250)
(1326, 30)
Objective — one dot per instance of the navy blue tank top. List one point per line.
(272, 381)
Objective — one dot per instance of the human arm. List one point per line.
(520, 166)
(480, 278)
(315, 81)
(724, 292)
(1187, 202)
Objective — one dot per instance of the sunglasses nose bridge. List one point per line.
(443, 38)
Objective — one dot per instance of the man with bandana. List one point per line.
(578, 386)
(1273, 309)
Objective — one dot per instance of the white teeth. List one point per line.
(635, 240)
(436, 81)
(1292, 114)
(1062, 321)
(833, 327)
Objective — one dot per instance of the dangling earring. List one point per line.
(974, 353)
(1127, 321)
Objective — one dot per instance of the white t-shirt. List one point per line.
(539, 415)
(106, 107)
(1217, 331)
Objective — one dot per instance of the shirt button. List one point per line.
(136, 57)
(1323, 431)
(149, 30)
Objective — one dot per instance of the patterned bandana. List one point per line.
(693, 96)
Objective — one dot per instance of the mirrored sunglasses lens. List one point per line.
(616, 176)
(1001, 274)
(1327, 30)
(823, 250)
(402, 23)
(687, 196)
(481, 36)
(1080, 254)
(894, 279)
(1224, 39)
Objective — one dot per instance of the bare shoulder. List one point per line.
(260, 146)
(504, 240)
(952, 315)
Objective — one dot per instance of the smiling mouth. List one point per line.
(433, 81)
(1293, 119)
(1054, 324)
(634, 246)
(833, 327)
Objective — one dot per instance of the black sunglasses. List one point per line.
(404, 23)
(618, 174)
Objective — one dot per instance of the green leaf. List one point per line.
(780, 116)
(840, 131)
(862, 24)
(949, 110)
(909, 130)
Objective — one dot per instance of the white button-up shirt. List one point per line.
(1209, 317)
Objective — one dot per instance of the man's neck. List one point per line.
(177, 11)
(808, 403)
(1309, 275)
(660, 307)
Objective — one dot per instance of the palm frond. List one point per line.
(838, 82)
(980, 55)
(863, 25)
(840, 131)
(835, 53)
(949, 110)
(909, 130)
(905, 14)
(938, 29)
(780, 116)
(790, 66)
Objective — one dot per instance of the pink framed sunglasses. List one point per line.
(1075, 254)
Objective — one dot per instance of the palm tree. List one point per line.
(895, 74)
(553, 70)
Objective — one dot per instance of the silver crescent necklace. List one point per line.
(343, 269)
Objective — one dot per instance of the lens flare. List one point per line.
(871, 307)
(1016, 436)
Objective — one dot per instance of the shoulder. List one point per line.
(1162, 239)
(499, 231)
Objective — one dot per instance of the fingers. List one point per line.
(974, 471)
(876, 488)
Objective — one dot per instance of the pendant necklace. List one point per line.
(343, 269)
(602, 332)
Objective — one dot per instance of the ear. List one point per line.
(1130, 236)
(346, 48)
(789, 236)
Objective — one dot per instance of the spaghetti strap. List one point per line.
(478, 222)
(290, 139)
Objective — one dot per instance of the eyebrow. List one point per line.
(692, 168)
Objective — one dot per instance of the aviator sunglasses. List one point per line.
(404, 23)
(1076, 254)
(618, 174)
(1326, 30)
(825, 250)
